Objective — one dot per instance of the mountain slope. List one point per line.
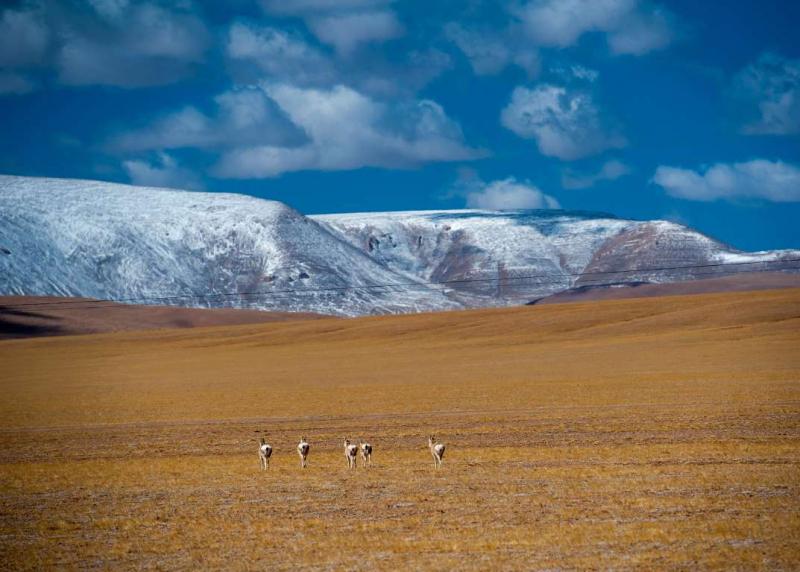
(110, 241)
(513, 257)
(102, 240)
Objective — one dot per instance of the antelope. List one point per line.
(437, 450)
(264, 453)
(302, 449)
(366, 453)
(350, 452)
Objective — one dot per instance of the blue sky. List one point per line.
(672, 109)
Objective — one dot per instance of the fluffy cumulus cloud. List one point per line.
(768, 180)
(164, 172)
(145, 43)
(508, 194)
(24, 43)
(610, 171)
(344, 24)
(278, 54)
(348, 31)
(490, 52)
(631, 26)
(24, 38)
(769, 91)
(245, 116)
(267, 130)
(131, 46)
(105, 42)
(565, 123)
(348, 130)
(257, 52)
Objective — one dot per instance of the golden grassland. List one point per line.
(651, 433)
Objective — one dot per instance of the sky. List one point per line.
(675, 109)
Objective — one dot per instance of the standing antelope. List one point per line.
(350, 452)
(437, 450)
(302, 449)
(264, 453)
(366, 453)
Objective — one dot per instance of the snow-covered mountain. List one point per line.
(104, 240)
(514, 257)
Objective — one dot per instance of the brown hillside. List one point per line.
(34, 316)
(744, 282)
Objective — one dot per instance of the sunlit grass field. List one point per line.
(652, 433)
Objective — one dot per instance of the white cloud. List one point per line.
(348, 130)
(256, 53)
(141, 45)
(770, 90)
(110, 9)
(344, 24)
(641, 32)
(23, 39)
(279, 54)
(165, 172)
(106, 42)
(631, 26)
(769, 180)
(296, 7)
(277, 128)
(244, 116)
(187, 127)
(397, 80)
(347, 32)
(267, 161)
(24, 43)
(491, 52)
(565, 123)
(509, 194)
(610, 171)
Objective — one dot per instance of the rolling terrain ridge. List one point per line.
(62, 237)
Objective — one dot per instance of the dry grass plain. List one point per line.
(655, 433)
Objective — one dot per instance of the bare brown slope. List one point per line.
(34, 316)
(744, 282)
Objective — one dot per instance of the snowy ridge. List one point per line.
(102, 240)
(520, 256)
(111, 241)
(449, 246)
